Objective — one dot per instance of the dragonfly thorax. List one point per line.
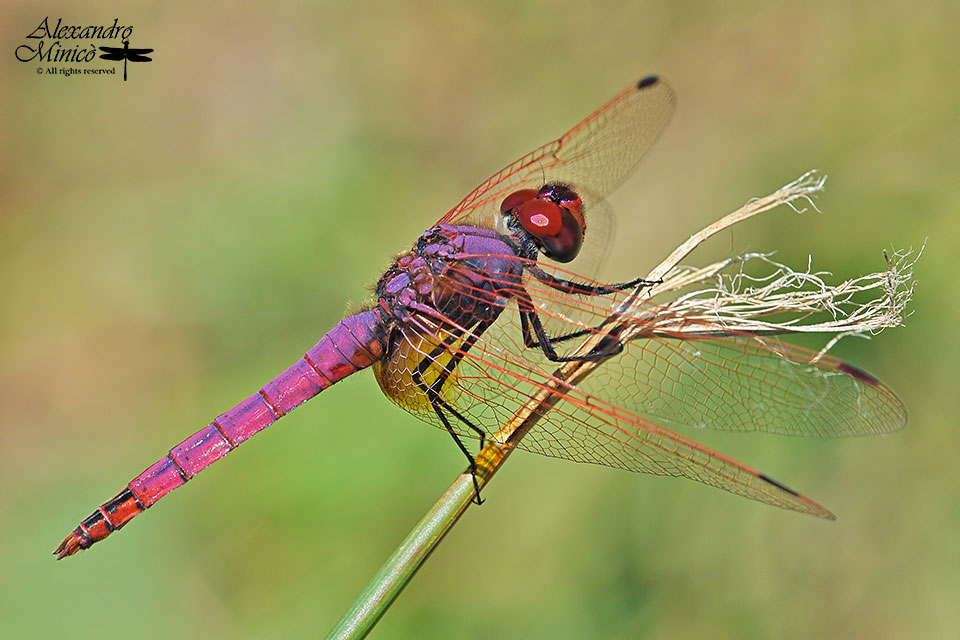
(463, 272)
(551, 219)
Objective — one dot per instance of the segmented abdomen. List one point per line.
(355, 343)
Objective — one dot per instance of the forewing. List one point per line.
(697, 374)
(597, 155)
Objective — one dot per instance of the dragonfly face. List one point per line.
(551, 219)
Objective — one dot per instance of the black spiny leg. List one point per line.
(531, 341)
(439, 404)
(529, 319)
(580, 289)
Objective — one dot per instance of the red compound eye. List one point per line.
(516, 199)
(564, 246)
(542, 218)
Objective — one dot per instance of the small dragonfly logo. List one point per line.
(133, 55)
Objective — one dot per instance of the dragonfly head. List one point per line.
(551, 217)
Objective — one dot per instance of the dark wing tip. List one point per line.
(649, 81)
(779, 485)
(809, 506)
(859, 374)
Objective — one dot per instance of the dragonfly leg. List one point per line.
(433, 390)
(473, 465)
(610, 346)
(531, 341)
(534, 335)
(440, 405)
(577, 288)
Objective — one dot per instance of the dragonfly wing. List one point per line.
(748, 383)
(493, 382)
(597, 155)
(679, 371)
(697, 374)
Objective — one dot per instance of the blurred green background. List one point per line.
(170, 243)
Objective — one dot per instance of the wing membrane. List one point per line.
(677, 371)
(596, 156)
(701, 375)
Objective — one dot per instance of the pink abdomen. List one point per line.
(355, 343)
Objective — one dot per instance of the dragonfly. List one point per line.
(126, 53)
(477, 316)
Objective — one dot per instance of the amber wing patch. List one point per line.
(413, 352)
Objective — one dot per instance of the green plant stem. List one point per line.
(398, 570)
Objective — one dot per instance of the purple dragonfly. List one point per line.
(476, 317)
